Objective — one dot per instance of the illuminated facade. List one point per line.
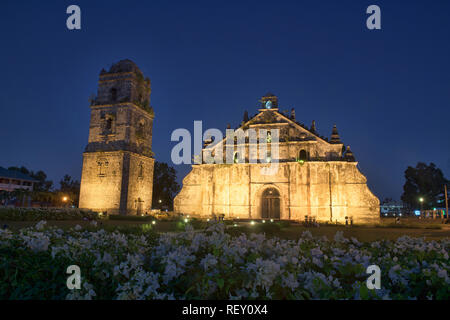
(118, 162)
(315, 177)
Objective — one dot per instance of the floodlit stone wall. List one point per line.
(327, 191)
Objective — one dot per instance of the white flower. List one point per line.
(40, 225)
(208, 261)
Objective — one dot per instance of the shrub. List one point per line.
(215, 265)
(38, 214)
(120, 217)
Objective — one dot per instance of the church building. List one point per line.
(118, 161)
(316, 177)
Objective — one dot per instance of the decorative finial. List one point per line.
(246, 116)
(313, 127)
(349, 156)
(293, 114)
(335, 139)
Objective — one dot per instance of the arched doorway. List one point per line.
(270, 204)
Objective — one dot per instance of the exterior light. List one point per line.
(207, 220)
(264, 221)
(400, 214)
(434, 209)
(421, 199)
(235, 224)
(252, 222)
(64, 199)
(160, 201)
(186, 220)
(153, 222)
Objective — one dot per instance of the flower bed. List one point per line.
(215, 265)
(38, 214)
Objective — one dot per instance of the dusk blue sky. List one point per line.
(388, 91)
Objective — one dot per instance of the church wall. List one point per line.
(305, 189)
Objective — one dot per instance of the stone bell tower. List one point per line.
(118, 161)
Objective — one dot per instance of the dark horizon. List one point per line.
(386, 90)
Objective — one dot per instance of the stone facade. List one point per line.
(314, 177)
(118, 161)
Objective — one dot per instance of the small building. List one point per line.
(11, 180)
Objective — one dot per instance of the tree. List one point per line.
(423, 181)
(165, 186)
(42, 183)
(70, 188)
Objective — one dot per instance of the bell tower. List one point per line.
(118, 161)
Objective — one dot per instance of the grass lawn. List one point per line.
(431, 230)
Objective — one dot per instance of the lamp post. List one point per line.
(64, 199)
(421, 205)
(446, 201)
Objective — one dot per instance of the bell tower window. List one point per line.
(141, 170)
(109, 124)
(113, 94)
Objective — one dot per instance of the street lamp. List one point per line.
(64, 199)
(421, 204)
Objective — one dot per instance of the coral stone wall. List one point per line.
(101, 185)
(328, 191)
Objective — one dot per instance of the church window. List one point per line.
(141, 170)
(109, 124)
(113, 94)
(302, 156)
(269, 137)
(140, 131)
(236, 157)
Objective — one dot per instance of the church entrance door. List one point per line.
(270, 204)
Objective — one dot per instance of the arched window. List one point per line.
(140, 131)
(269, 137)
(236, 157)
(109, 124)
(141, 170)
(113, 94)
(302, 156)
